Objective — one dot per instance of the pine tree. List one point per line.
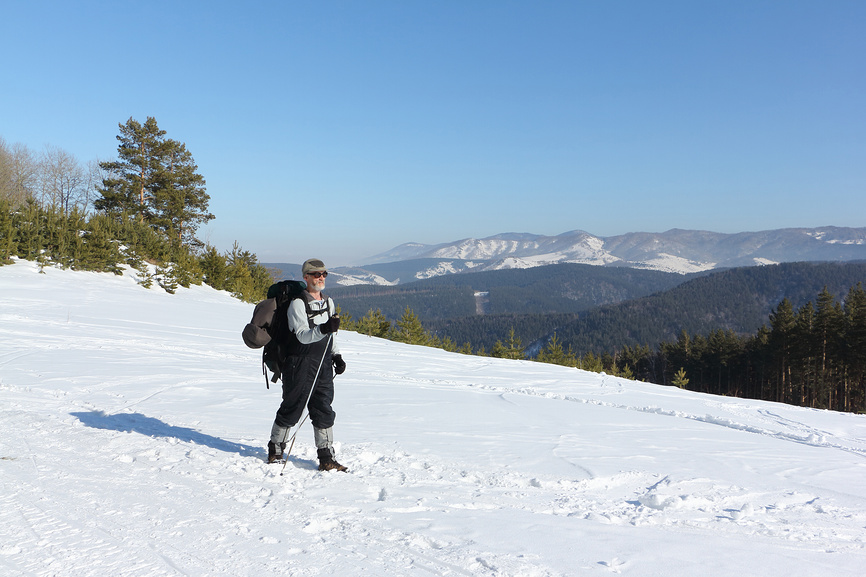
(155, 178)
(512, 349)
(626, 372)
(498, 350)
(143, 277)
(410, 330)
(248, 280)
(180, 202)
(76, 224)
(8, 232)
(447, 344)
(781, 344)
(553, 353)
(374, 324)
(27, 224)
(680, 380)
(347, 323)
(214, 267)
(805, 354)
(100, 252)
(135, 175)
(166, 279)
(829, 326)
(855, 347)
(185, 268)
(590, 362)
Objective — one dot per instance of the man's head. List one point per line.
(314, 272)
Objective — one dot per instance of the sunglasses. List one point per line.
(318, 274)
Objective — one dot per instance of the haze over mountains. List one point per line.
(678, 251)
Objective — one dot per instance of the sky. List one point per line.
(339, 130)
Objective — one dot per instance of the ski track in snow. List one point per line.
(110, 531)
(142, 454)
(789, 430)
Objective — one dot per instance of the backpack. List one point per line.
(269, 327)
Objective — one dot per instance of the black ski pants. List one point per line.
(299, 375)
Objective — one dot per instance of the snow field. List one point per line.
(133, 424)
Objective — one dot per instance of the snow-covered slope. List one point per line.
(133, 423)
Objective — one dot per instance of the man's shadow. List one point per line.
(142, 424)
(138, 423)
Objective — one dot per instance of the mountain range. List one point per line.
(678, 251)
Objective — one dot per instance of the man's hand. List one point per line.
(330, 326)
(339, 364)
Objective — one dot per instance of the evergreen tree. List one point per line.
(626, 372)
(180, 202)
(409, 330)
(805, 348)
(590, 362)
(829, 325)
(447, 344)
(680, 380)
(166, 279)
(512, 349)
(855, 348)
(781, 344)
(185, 268)
(554, 353)
(31, 230)
(498, 350)
(75, 225)
(100, 250)
(248, 280)
(8, 232)
(155, 178)
(214, 268)
(374, 324)
(143, 277)
(136, 174)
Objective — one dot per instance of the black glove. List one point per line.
(330, 326)
(339, 364)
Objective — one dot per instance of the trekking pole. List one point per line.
(315, 380)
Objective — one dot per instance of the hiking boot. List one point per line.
(273, 456)
(327, 461)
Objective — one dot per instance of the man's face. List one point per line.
(316, 280)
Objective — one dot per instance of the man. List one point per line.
(313, 358)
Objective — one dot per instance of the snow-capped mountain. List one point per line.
(679, 251)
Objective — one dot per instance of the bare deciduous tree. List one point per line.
(19, 172)
(62, 180)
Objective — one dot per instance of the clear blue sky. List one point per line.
(340, 129)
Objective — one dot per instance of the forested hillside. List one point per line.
(141, 210)
(739, 300)
(561, 288)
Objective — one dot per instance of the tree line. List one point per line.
(736, 299)
(141, 210)
(811, 356)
